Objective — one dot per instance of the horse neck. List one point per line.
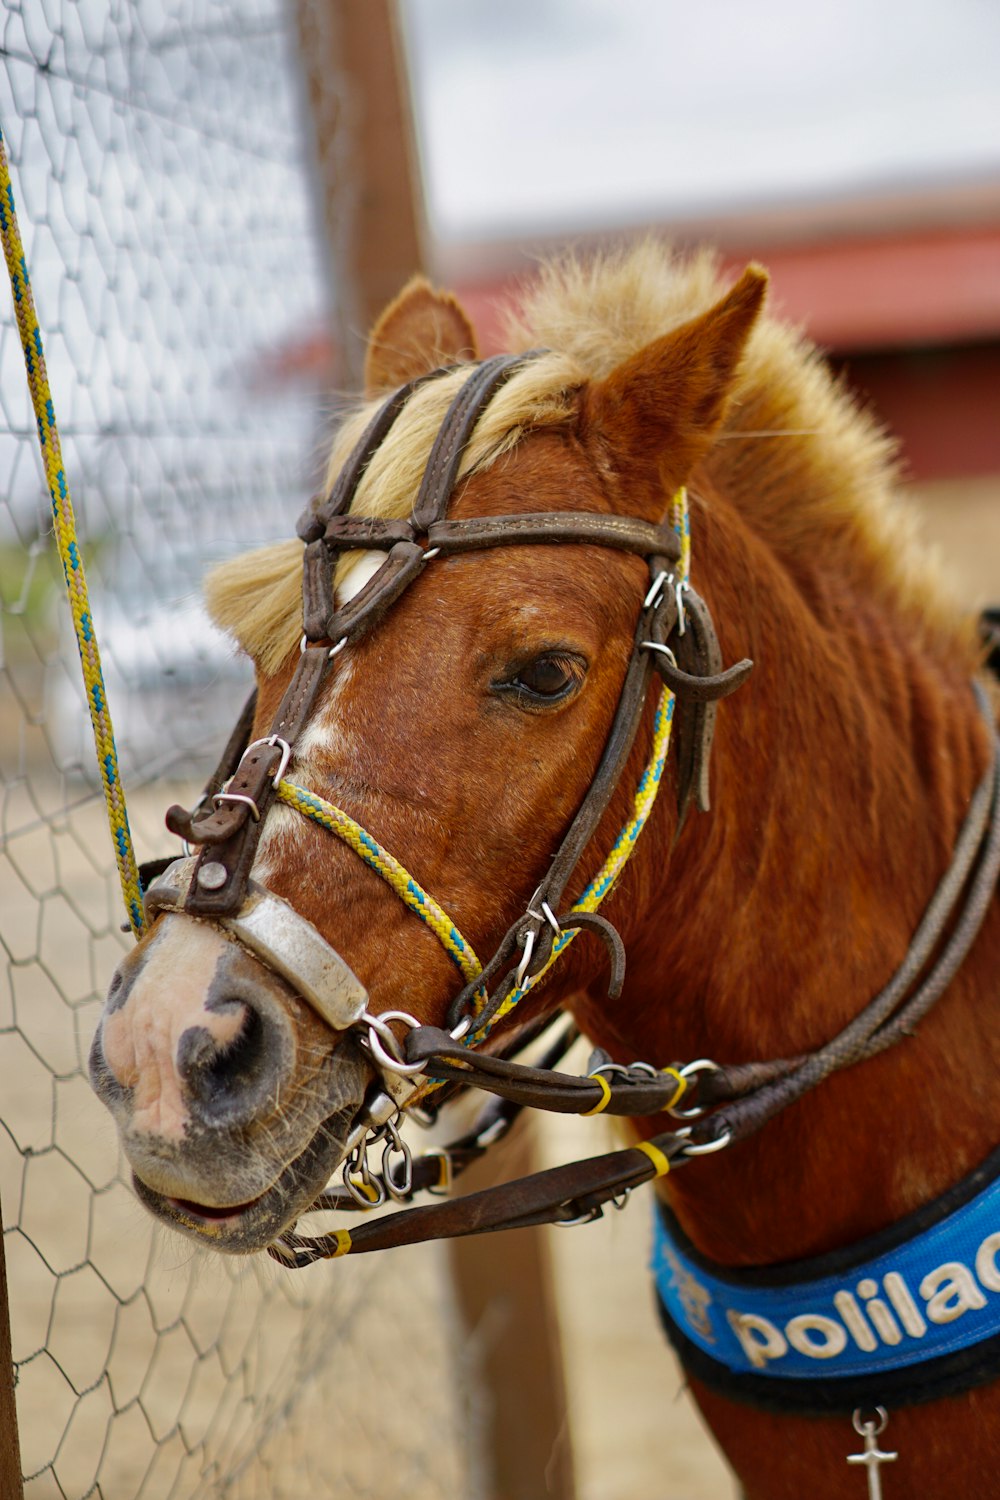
(840, 777)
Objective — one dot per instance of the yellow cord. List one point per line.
(64, 526)
(336, 821)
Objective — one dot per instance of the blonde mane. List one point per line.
(801, 456)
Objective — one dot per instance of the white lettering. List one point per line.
(832, 1338)
(949, 1291)
(986, 1262)
(854, 1319)
(885, 1324)
(898, 1294)
(760, 1339)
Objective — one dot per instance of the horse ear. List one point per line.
(418, 332)
(666, 403)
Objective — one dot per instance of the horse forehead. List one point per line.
(543, 471)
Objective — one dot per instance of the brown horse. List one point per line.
(464, 730)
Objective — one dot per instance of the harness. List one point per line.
(674, 641)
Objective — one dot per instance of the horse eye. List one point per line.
(545, 679)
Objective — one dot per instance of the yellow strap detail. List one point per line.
(680, 1090)
(342, 1240)
(656, 1156)
(605, 1098)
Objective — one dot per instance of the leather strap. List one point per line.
(231, 834)
(454, 433)
(312, 523)
(624, 532)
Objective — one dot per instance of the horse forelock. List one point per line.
(809, 469)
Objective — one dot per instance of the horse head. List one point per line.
(459, 731)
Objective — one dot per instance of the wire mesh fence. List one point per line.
(157, 156)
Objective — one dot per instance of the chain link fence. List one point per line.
(157, 153)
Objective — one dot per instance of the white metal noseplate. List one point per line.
(289, 944)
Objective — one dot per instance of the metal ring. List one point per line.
(679, 588)
(689, 1070)
(522, 968)
(401, 1191)
(379, 1033)
(596, 1212)
(663, 650)
(655, 593)
(862, 1427)
(431, 552)
(551, 918)
(704, 1148)
(359, 1195)
(338, 647)
(238, 797)
(616, 1070)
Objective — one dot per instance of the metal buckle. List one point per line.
(238, 797)
(286, 754)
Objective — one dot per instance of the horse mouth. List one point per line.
(245, 1228)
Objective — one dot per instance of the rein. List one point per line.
(675, 638)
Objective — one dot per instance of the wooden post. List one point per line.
(370, 195)
(503, 1286)
(371, 208)
(10, 1449)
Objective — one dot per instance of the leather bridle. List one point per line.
(675, 641)
(228, 824)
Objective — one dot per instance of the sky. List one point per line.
(543, 115)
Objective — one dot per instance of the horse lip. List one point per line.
(243, 1228)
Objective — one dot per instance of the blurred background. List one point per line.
(217, 197)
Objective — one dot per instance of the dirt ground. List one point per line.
(92, 1284)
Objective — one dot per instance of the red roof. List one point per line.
(873, 292)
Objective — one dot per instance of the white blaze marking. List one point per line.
(358, 574)
(323, 733)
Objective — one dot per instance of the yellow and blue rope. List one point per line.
(410, 892)
(64, 526)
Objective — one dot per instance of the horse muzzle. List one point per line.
(222, 1056)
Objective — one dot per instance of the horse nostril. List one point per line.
(226, 1076)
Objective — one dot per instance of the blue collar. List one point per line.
(907, 1314)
